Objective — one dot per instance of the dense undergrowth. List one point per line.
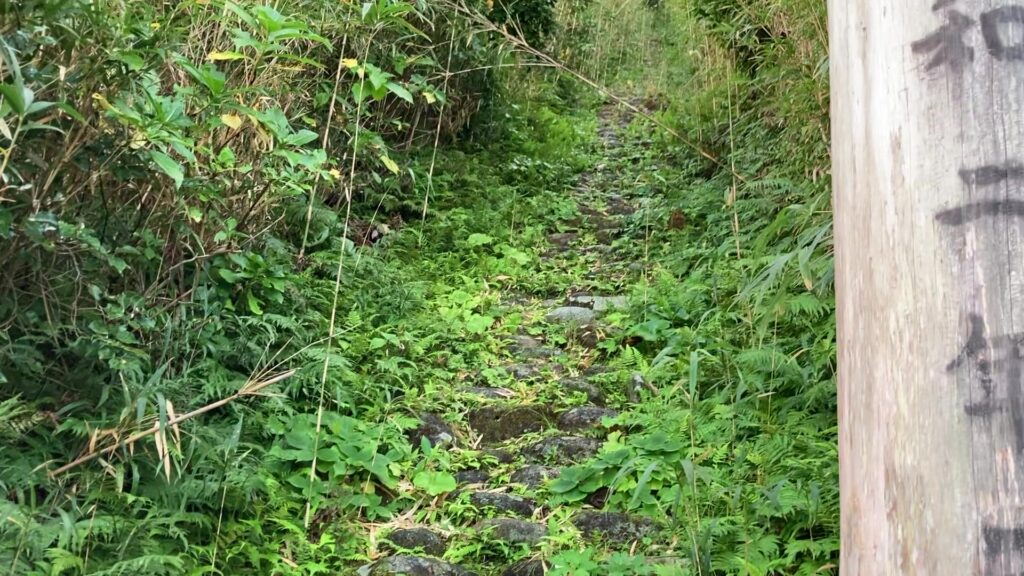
(296, 207)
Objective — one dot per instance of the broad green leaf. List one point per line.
(131, 59)
(18, 96)
(434, 483)
(71, 111)
(400, 91)
(477, 324)
(378, 78)
(478, 239)
(641, 485)
(359, 92)
(241, 13)
(37, 107)
(254, 303)
(33, 126)
(389, 164)
(168, 166)
(117, 263)
(228, 275)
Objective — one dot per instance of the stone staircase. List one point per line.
(525, 441)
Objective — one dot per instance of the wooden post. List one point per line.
(928, 153)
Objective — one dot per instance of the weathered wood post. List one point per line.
(928, 152)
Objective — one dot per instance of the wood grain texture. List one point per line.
(928, 171)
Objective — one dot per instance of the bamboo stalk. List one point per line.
(247, 390)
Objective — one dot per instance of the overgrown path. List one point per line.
(559, 411)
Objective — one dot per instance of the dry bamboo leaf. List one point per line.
(172, 417)
(167, 458)
(160, 440)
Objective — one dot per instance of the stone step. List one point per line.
(599, 303)
(584, 418)
(534, 475)
(418, 539)
(503, 502)
(404, 565)
(531, 567)
(513, 530)
(563, 450)
(490, 393)
(433, 428)
(496, 424)
(527, 347)
(578, 384)
(613, 527)
(571, 315)
(465, 477)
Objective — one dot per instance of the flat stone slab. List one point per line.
(619, 207)
(563, 240)
(576, 315)
(502, 456)
(514, 531)
(613, 527)
(594, 394)
(525, 568)
(499, 423)
(523, 346)
(608, 235)
(503, 502)
(584, 418)
(415, 566)
(433, 428)
(472, 477)
(490, 393)
(523, 372)
(563, 450)
(600, 303)
(418, 538)
(534, 475)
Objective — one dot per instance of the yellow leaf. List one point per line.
(215, 56)
(350, 63)
(389, 164)
(335, 174)
(232, 121)
(154, 25)
(429, 97)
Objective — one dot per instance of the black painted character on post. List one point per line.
(990, 358)
(1002, 28)
(986, 177)
(947, 44)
